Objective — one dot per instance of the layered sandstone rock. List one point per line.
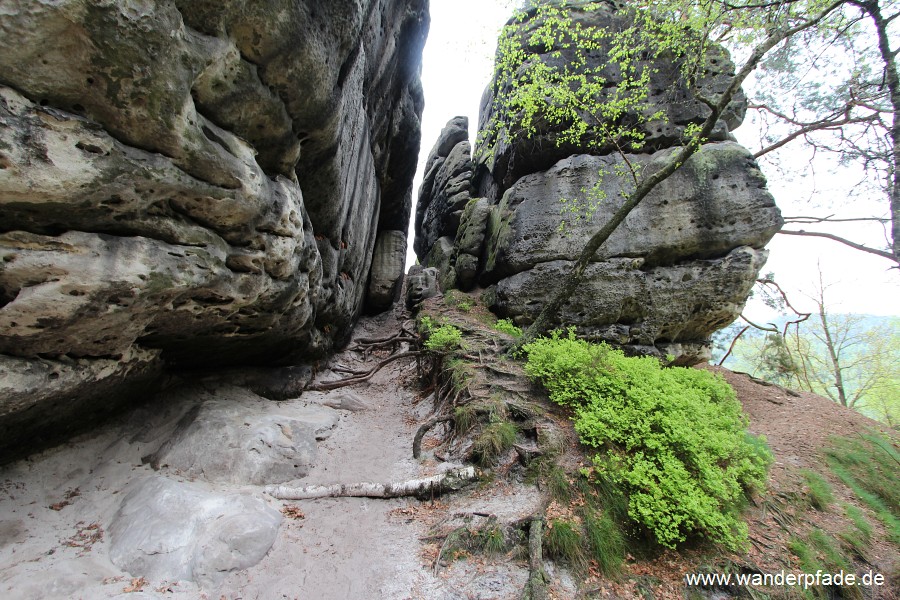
(681, 265)
(194, 184)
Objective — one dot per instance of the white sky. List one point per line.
(457, 66)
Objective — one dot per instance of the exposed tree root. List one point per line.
(536, 588)
(333, 385)
(417, 441)
(426, 487)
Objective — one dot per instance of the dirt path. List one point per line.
(58, 509)
(356, 547)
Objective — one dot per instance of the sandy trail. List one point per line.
(342, 548)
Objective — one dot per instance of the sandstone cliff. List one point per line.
(680, 267)
(194, 184)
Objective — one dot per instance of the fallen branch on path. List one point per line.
(426, 487)
(333, 385)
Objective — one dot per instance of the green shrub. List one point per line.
(820, 493)
(673, 440)
(506, 326)
(443, 339)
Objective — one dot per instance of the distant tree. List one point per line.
(844, 357)
(686, 32)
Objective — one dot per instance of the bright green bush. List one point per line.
(444, 339)
(506, 326)
(673, 440)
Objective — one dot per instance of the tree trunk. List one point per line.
(892, 81)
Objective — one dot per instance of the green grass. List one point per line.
(464, 418)
(494, 439)
(868, 464)
(562, 541)
(858, 536)
(490, 540)
(605, 541)
(558, 484)
(819, 551)
(820, 493)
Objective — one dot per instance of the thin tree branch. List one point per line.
(846, 242)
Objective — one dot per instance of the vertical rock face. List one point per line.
(194, 183)
(681, 265)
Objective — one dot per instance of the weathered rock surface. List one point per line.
(681, 265)
(447, 186)
(508, 158)
(238, 437)
(715, 203)
(388, 265)
(169, 530)
(421, 284)
(194, 184)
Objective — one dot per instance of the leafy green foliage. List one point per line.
(507, 326)
(443, 339)
(673, 440)
(820, 492)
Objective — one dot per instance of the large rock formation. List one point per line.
(681, 265)
(194, 184)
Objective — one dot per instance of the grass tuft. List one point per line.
(868, 466)
(820, 493)
(605, 541)
(494, 439)
(563, 542)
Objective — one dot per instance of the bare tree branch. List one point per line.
(846, 242)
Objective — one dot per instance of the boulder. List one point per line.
(388, 263)
(507, 157)
(682, 263)
(658, 310)
(713, 204)
(421, 284)
(167, 530)
(194, 184)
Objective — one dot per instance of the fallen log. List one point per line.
(426, 487)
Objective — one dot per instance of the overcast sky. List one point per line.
(457, 66)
